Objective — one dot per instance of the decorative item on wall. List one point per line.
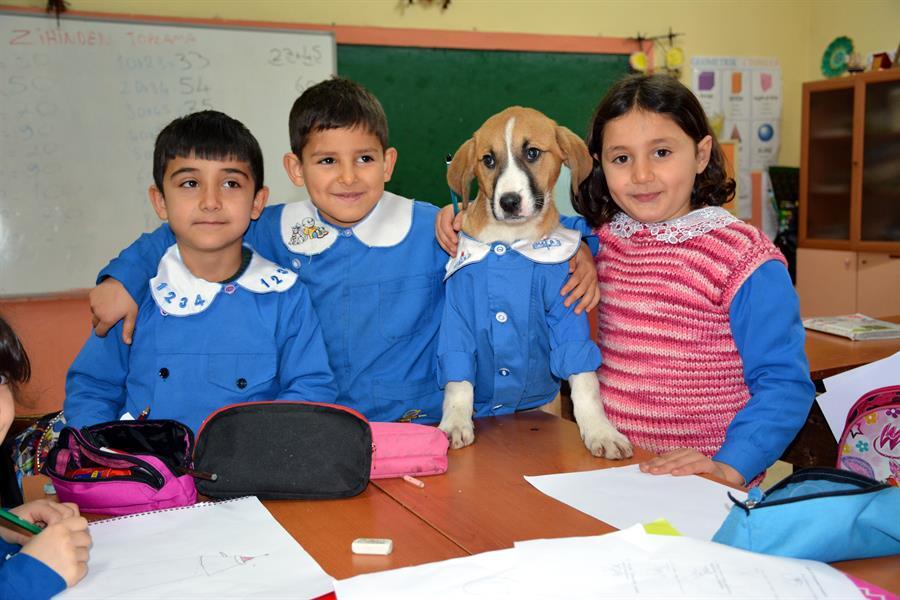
(673, 54)
(57, 7)
(444, 4)
(834, 60)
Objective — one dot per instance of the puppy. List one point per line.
(506, 339)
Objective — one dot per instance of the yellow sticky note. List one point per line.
(660, 527)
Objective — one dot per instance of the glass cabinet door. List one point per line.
(830, 164)
(881, 164)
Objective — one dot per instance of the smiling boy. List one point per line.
(221, 324)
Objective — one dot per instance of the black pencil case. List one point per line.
(284, 450)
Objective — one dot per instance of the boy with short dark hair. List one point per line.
(368, 257)
(221, 324)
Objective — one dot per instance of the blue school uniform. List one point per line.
(23, 576)
(505, 328)
(199, 346)
(376, 287)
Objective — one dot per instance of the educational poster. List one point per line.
(742, 98)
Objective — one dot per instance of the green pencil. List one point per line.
(5, 514)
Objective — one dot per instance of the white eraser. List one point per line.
(381, 546)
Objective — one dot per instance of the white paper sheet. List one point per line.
(624, 496)
(625, 564)
(482, 575)
(233, 549)
(844, 389)
(634, 564)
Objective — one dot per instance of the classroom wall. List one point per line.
(794, 31)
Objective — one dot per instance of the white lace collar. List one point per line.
(556, 247)
(304, 231)
(675, 231)
(178, 292)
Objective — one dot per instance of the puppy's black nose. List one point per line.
(510, 202)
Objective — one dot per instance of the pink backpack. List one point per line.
(870, 444)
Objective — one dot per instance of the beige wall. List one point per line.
(794, 31)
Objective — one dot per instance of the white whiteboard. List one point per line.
(80, 107)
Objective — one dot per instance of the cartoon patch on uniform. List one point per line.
(307, 229)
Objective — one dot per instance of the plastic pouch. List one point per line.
(123, 467)
(819, 514)
(407, 449)
(284, 450)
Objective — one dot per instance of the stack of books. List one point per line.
(855, 327)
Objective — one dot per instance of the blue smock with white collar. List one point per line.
(376, 287)
(199, 346)
(505, 328)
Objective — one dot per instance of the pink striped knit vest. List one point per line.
(671, 375)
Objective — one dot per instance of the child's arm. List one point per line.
(95, 383)
(51, 560)
(303, 367)
(581, 287)
(768, 333)
(122, 284)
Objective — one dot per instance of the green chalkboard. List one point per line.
(435, 98)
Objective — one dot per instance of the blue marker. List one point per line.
(453, 198)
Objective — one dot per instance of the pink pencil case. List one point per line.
(123, 467)
(407, 449)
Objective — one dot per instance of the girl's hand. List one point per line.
(446, 229)
(38, 511)
(110, 303)
(582, 285)
(64, 547)
(687, 461)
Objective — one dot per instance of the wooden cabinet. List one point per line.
(850, 163)
(841, 282)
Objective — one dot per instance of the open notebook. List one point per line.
(231, 549)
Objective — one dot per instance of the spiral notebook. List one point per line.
(231, 549)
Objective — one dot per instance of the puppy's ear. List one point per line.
(462, 170)
(576, 155)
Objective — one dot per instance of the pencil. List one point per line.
(5, 514)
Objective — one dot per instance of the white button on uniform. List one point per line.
(498, 407)
(499, 249)
(504, 372)
(346, 232)
(501, 317)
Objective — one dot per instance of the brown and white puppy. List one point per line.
(515, 156)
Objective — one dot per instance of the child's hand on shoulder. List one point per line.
(110, 303)
(687, 461)
(446, 229)
(582, 285)
(64, 547)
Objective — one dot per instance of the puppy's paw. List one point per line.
(604, 441)
(460, 430)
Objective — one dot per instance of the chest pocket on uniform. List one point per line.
(407, 304)
(241, 373)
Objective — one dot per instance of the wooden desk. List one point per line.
(483, 503)
(832, 354)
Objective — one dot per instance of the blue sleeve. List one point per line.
(768, 333)
(571, 348)
(580, 225)
(23, 576)
(303, 367)
(95, 383)
(456, 339)
(137, 263)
